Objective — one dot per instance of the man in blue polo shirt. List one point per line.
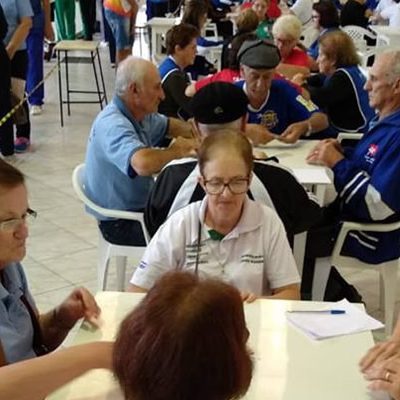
(123, 148)
(273, 103)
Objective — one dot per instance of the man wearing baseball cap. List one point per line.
(275, 104)
(222, 105)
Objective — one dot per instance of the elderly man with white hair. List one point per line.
(366, 178)
(123, 148)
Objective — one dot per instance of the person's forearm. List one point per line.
(19, 36)
(292, 292)
(150, 161)
(318, 121)
(179, 128)
(36, 378)
(53, 331)
(396, 331)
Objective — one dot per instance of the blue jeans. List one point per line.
(34, 44)
(121, 29)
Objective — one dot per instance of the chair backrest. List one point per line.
(78, 183)
(358, 34)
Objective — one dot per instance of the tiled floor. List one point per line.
(62, 242)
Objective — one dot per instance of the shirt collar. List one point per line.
(119, 103)
(390, 119)
(249, 220)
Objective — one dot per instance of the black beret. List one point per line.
(219, 103)
(259, 54)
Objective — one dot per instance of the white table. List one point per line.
(386, 35)
(294, 156)
(288, 365)
(159, 27)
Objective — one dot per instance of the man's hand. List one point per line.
(10, 51)
(380, 353)
(184, 147)
(79, 304)
(328, 152)
(386, 376)
(294, 132)
(259, 134)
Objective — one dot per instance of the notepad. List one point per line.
(319, 326)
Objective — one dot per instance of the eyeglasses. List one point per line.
(235, 185)
(13, 224)
(284, 42)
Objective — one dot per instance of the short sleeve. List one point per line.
(164, 253)
(24, 8)
(280, 266)
(155, 125)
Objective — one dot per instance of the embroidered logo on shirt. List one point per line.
(143, 265)
(269, 119)
(371, 153)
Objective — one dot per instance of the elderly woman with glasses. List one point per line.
(226, 235)
(24, 333)
(287, 31)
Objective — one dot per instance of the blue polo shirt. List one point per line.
(282, 107)
(14, 10)
(16, 330)
(115, 137)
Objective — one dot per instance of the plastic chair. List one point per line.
(387, 270)
(359, 34)
(106, 250)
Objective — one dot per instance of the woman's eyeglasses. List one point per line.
(235, 185)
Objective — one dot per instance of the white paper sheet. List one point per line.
(323, 326)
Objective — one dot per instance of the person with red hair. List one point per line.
(186, 340)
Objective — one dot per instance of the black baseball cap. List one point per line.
(219, 103)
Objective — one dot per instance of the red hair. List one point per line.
(185, 341)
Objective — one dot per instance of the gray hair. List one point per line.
(132, 69)
(288, 25)
(207, 129)
(394, 64)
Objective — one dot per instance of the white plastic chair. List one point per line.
(349, 136)
(358, 35)
(387, 270)
(106, 250)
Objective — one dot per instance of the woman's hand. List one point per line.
(79, 304)
(248, 297)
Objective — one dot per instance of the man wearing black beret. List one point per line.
(217, 106)
(275, 104)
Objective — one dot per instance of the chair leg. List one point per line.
(321, 276)
(103, 259)
(121, 272)
(389, 276)
(381, 292)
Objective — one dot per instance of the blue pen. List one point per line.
(319, 311)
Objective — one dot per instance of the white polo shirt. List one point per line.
(255, 256)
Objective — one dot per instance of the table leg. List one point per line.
(102, 76)
(96, 79)
(67, 78)
(60, 88)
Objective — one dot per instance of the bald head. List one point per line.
(132, 69)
